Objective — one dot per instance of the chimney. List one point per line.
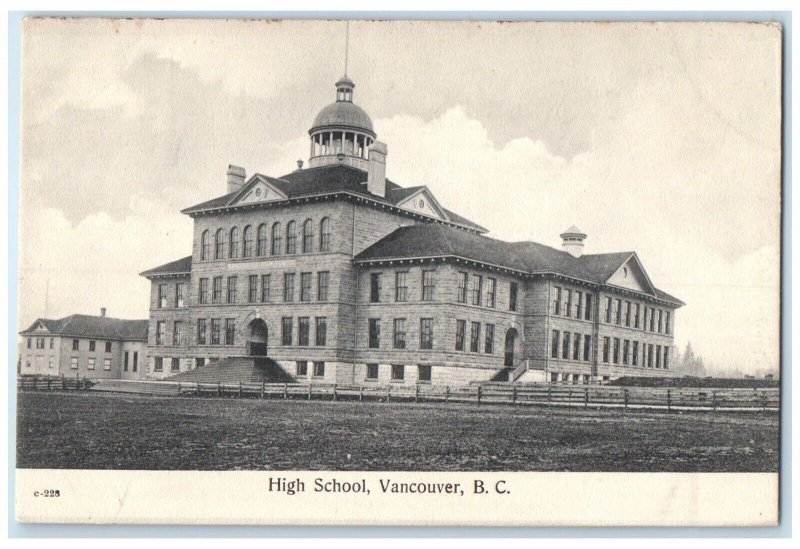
(299, 164)
(102, 311)
(236, 175)
(376, 169)
(572, 241)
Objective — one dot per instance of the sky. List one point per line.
(655, 137)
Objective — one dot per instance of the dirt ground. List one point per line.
(101, 431)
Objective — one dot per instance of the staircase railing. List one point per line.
(519, 370)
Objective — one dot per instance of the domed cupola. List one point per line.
(342, 132)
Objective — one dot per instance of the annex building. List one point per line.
(333, 273)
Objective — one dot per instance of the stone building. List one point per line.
(334, 273)
(85, 346)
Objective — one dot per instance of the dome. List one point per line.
(343, 114)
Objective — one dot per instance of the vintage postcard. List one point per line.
(399, 273)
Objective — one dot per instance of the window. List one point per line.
(512, 297)
(261, 240)
(426, 333)
(162, 296)
(576, 347)
(203, 290)
(578, 304)
(475, 337)
(321, 332)
(666, 357)
(201, 331)
(160, 329)
(216, 295)
(288, 287)
(277, 239)
(252, 288)
(650, 355)
(618, 317)
(305, 286)
(625, 351)
(325, 235)
(73, 363)
(108, 346)
(286, 330)
(308, 236)
(398, 372)
(567, 302)
(554, 344)
(216, 331)
(90, 364)
(177, 328)
(219, 244)
(125, 360)
(230, 331)
(205, 246)
(608, 310)
(424, 372)
(644, 354)
(666, 331)
(636, 316)
(53, 341)
(652, 319)
(375, 287)
(265, 283)
(75, 344)
(372, 372)
(319, 369)
(232, 283)
(233, 246)
(616, 350)
(301, 367)
(491, 292)
(556, 300)
(323, 282)
(401, 286)
(158, 366)
(588, 310)
(91, 346)
(374, 333)
(488, 346)
(176, 364)
(40, 343)
(565, 348)
(606, 349)
(135, 360)
(303, 328)
(247, 241)
(660, 320)
(179, 294)
(635, 353)
(587, 348)
(461, 333)
(477, 289)
(291, 237)
(399, 340)
(462, 287)
(658, 356)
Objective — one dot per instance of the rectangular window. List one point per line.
(303, 327)
(230, 331)
(635, 353)
(576, 347)
(203, 293)
(288, 287)
(321, 331)
(90, 363)
(108, 346)
(627, 313)
(658, 356)
(650, 355)
(606, 349)
(135, 360)
(556, 300)
(424, 373)
(301, 367)
(265, 285)
(399, 333)
(323, 282)
(76, 344)
(91, 346)
(401, 286)
(201, 331)
(73, 363)
(375, 288)
(578, 304)
(428, 285)
(666, 327)
(177, 328)
(398, 372)
(232, 283)
(305, 286)
(587, 348)
(475, 337)
(491, 292)
(53, 341)
(477, 290)
(216, 331)
(618, 317)
(636, 308)
(30, 342)
(660, 320)
(51, 362)
(372, 372)
(554, 344)
(158, 365)
(666, 357)
(162, 296)
(616, 350)
(644, 355)
(286, 330)
(608, 310)
(374, 333)
(567, 302)
(176, 364)
(40, 343)
(319, 369)
(462, 287)
(565, 349)
(488, 346)
(461, 334)
(512, 297)
(160, 329)
(216, 294)
(626, 347)
(179, 302)
(126, 358)
(588, 309)
(252, 288)
(652, 319)
(426, 333)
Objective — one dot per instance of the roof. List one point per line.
(342, 114)
(427, 241)
(180, 266)
(101, 327)
(329, 179)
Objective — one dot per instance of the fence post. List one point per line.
(479, 394)
(309, 390)
(549, 394)
(514, 395)
(48, 384)
(713, 400)
(669, 400)
(77, 381)
(334, 392)
(34, 382)
(388, 393)
(447, 394)
(198, 388)
(240, 390)
(179, 387)
(569, 397)
(285, 390)
(764, 400)
(625, 398)
(360, 393)
(586, 397)
(416, 393)
(63, 383)
(219, 388)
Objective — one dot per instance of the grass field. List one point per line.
(96, 431)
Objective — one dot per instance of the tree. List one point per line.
(688, 364)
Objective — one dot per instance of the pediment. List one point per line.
(258, 190)
(425, 203)
(40, 327)
(631, 275)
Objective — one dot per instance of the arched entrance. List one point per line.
(257, 343)
(511, 341)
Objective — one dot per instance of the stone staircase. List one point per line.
(236, 370)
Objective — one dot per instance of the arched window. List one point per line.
(247, 241)
(277, 239)
(261, 242)
(205, 246)
(291, 237)
(325, 234)
(233, 246)
(219, 245)
(308, 236)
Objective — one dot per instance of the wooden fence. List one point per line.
(51, 383)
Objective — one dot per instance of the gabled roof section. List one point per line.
(181, 266)
(86, 326)
(260, 188)
(606, 266)
(422, 201)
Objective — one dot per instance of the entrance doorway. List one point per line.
(511, 340)
(257, 344)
